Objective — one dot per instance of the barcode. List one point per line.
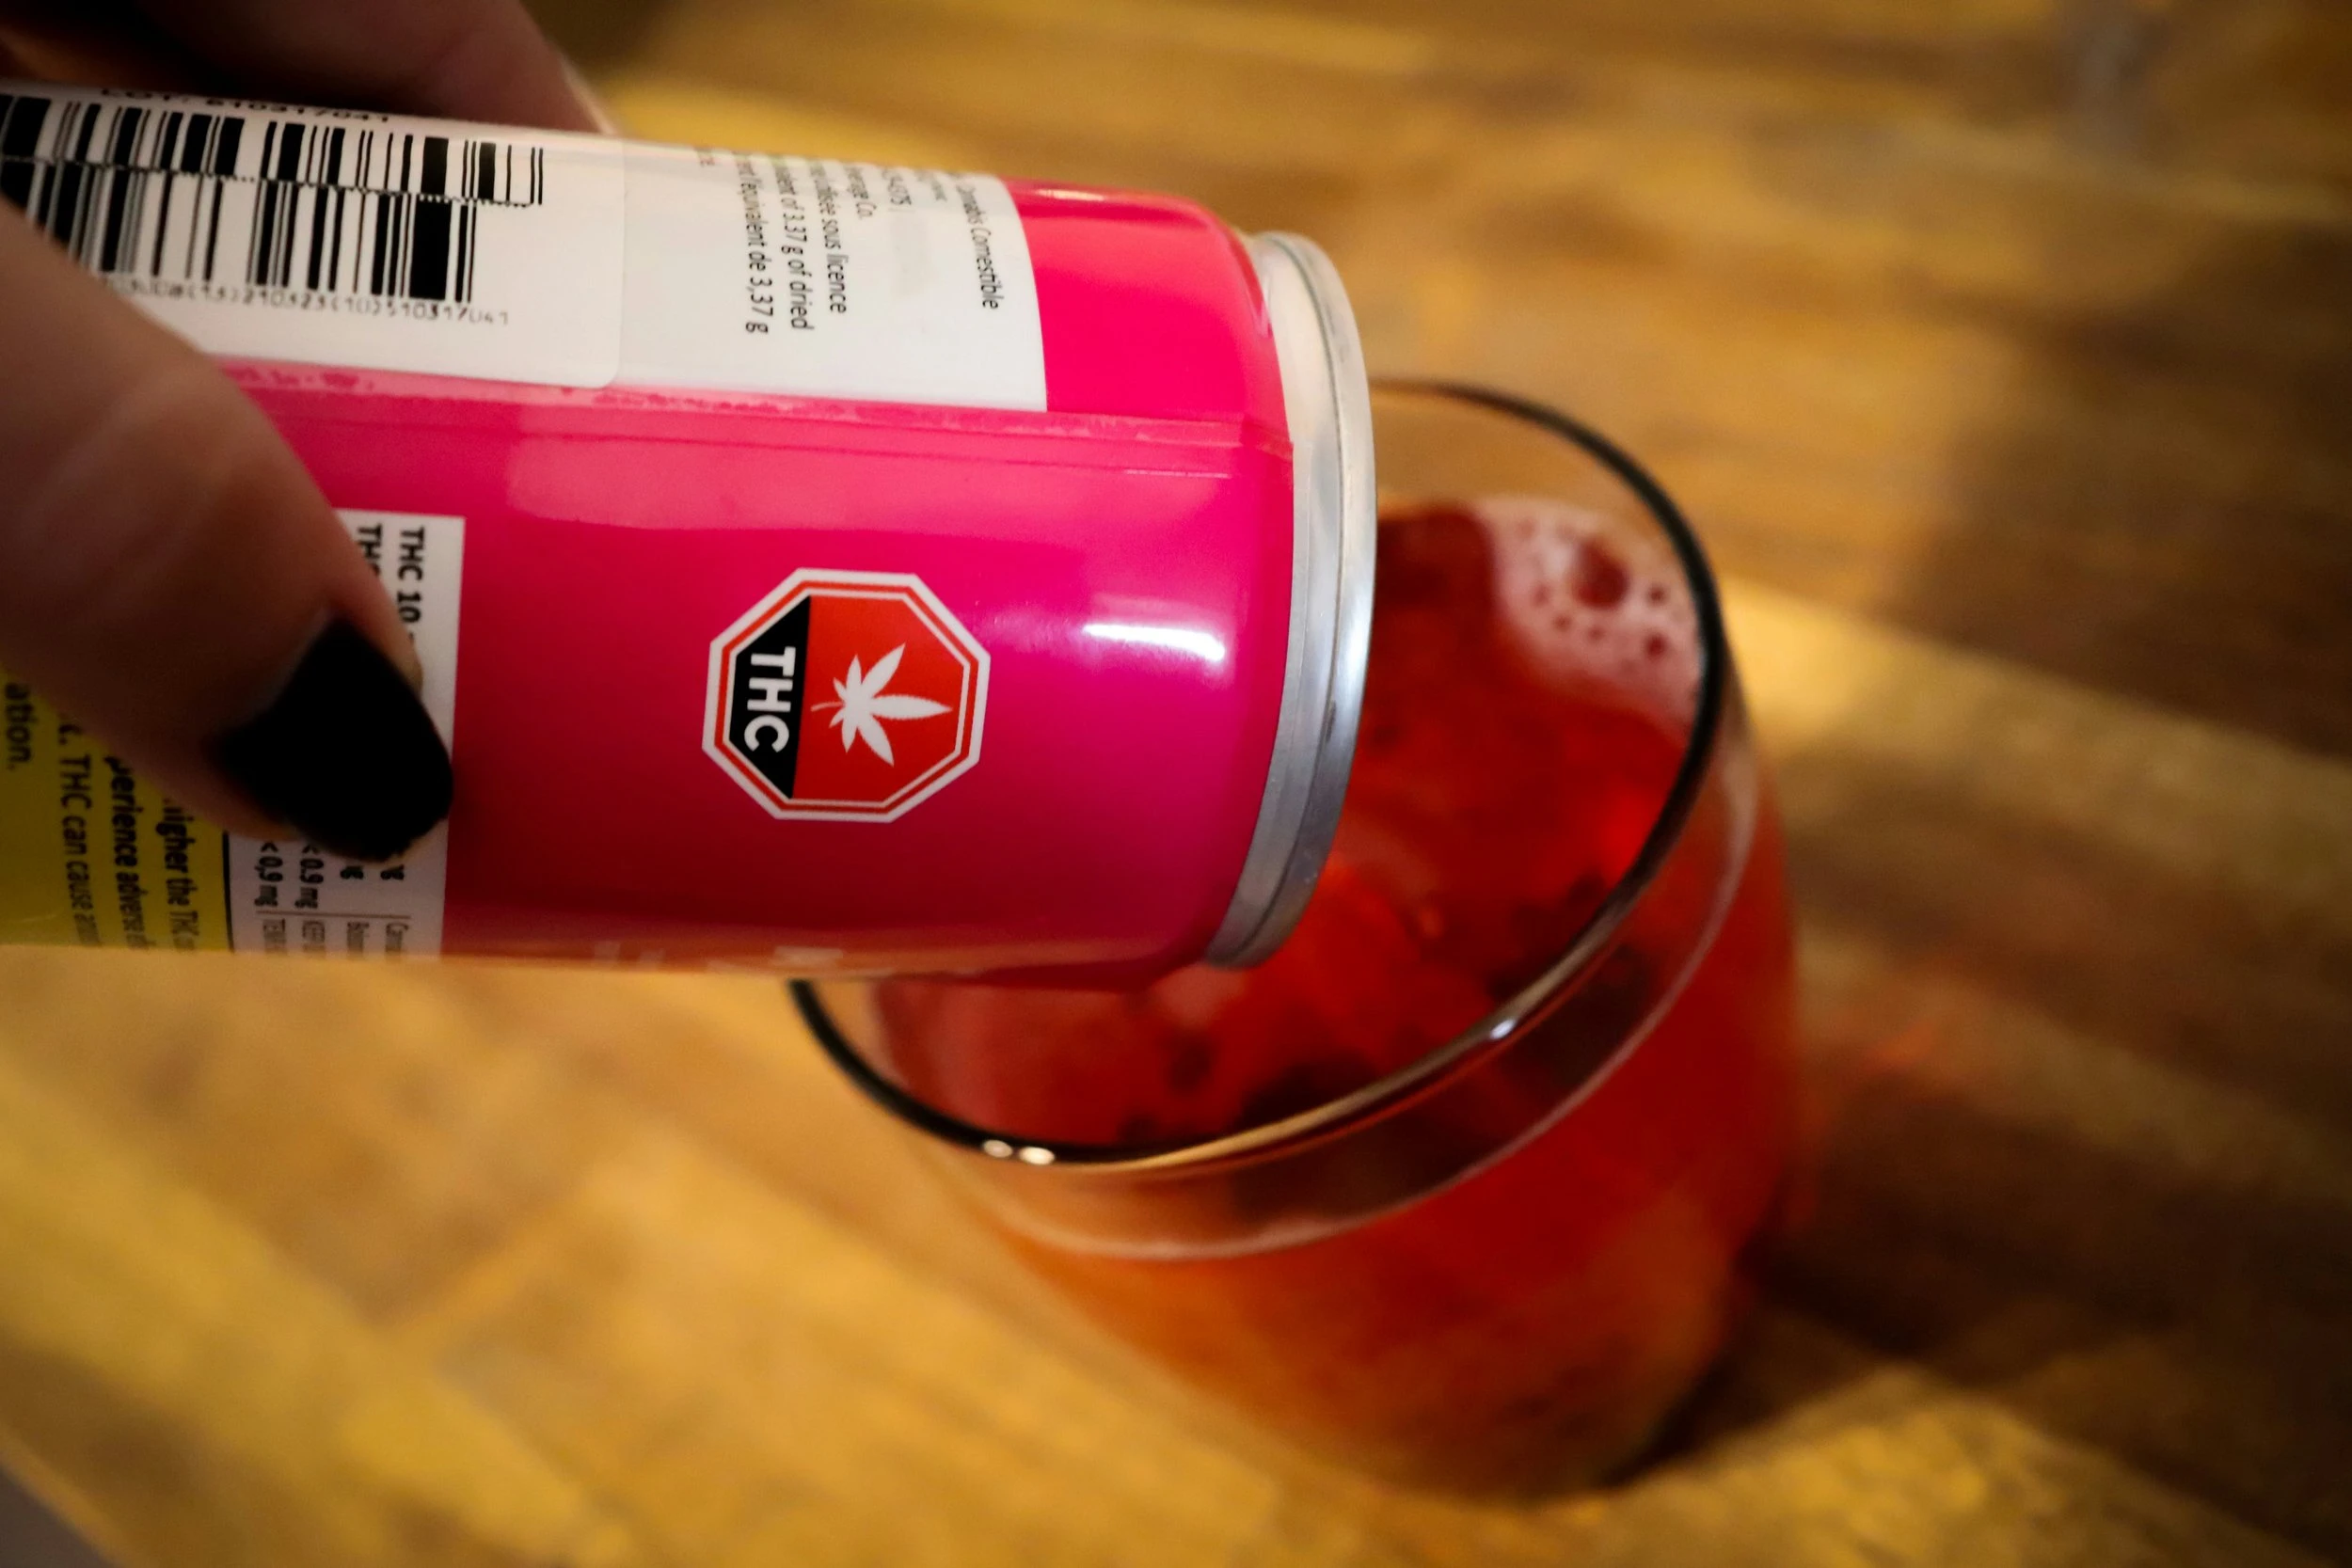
(178, 196)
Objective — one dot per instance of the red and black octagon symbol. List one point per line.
(846, 695)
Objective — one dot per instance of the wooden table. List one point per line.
(2004, 350)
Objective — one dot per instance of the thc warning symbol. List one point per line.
(846, 695)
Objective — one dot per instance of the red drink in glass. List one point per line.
(1459, 1185)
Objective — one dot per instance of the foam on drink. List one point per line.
(1531, 677)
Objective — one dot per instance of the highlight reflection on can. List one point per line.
(819, 565)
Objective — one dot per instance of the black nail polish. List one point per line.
(345, 753)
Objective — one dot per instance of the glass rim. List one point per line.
(1491, 1032)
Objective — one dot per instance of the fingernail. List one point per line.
(345, 754)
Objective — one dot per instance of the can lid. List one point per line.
(1327, 400)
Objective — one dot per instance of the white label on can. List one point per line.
(834, 280)
(288, 896)
(331, 238)
(376, 242)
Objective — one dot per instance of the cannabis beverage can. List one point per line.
(819, 566)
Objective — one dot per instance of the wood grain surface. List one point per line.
(2003, 349)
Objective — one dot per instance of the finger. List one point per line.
(171, 578)
(466, 59)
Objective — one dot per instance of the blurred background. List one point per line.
(2002, 351)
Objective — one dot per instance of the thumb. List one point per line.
(171, 578)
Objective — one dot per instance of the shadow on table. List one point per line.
(2164, 509)
(2087, 1155)
(2083, 1154)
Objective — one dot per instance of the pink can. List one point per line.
(817, 565)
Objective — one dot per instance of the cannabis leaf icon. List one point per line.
(863, 702)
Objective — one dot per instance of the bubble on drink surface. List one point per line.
(1597, 606)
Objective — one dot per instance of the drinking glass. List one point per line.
(1499, 1264)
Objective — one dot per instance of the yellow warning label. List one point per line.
(89, 853)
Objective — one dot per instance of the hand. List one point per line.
(170, 575)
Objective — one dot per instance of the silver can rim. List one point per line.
(1326, 397)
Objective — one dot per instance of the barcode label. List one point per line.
(154, 192)
(371, 242)
(361, 239)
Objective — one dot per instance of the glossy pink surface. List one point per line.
(1125, 559)
(1149, 307)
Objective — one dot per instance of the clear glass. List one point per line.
(1500, 1263)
